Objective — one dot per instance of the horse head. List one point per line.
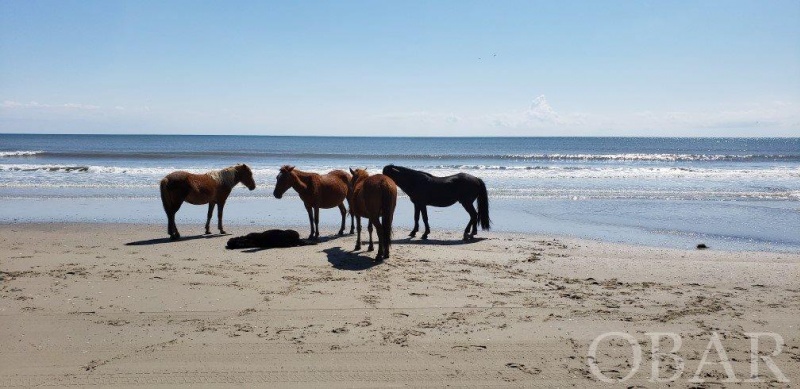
(358, 175)
(390, 170)
(245, 176)
(396, 174)
(284, 181)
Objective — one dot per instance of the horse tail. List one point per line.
(483, 206)
(388, 202)
(165, 197)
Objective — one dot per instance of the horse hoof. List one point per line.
(358, 247)
(208, 232)
(413, 234)
(341, 233)
(222, 232)
(424, 237)
(370, 248)
(378, 258)
(174, 237)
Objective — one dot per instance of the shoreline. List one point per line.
(119, 305)
(664, 224)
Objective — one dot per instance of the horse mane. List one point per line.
(412, 171)
(225, 177)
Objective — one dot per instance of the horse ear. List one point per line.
(290, 168)
(352, 171)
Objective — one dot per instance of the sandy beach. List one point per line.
(116, 305)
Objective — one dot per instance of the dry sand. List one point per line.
(118, 305)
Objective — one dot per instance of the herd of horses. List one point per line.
(373, 197)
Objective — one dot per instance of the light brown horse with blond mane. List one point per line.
(211, 188)
(374, 197)
(317, 191)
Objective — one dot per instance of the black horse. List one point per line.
(425, 189)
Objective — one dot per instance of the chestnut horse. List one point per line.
(374, 197)
(210, 188)
(317, 191)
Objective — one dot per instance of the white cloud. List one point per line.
(9, 104)
(540, 114)
(540, 118)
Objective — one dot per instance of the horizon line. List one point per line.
(413, 136)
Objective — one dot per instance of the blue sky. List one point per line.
(645, 68)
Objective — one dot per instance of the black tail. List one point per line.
(387, 213)
(483, 207)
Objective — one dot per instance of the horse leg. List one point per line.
(474, 223)
(352, 223)
(310, 221)
(369, 228)
(379, 230)
(316, 222)
(344, 218)
(358, 236)
(172, 230)
(208, 219)
(425, 220)
(416, 221)
(473, 219)
(219, 217)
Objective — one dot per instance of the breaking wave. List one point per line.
(160, 155)
(20, 153)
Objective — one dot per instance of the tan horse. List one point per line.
(210, 188)
(374, 197)
(317, 191)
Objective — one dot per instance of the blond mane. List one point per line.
(225, 177)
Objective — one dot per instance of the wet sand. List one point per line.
(118, 305)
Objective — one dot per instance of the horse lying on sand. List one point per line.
(317, 191)
(425, 189)
(375, 198)
(267, 239)
(211, 188)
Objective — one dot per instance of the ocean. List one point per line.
(729, 193)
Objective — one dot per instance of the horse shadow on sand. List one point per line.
(349, 260)
(439, 242)
(148, 242)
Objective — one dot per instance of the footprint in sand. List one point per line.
(471, 347)
(523, 368)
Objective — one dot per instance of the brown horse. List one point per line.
(317, 191)
(210, 188)
(374, 197)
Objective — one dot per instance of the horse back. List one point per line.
(339, 175)
(368, 195)
(332, 188)
(377, 190)
(445, 191)
(195, 188)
